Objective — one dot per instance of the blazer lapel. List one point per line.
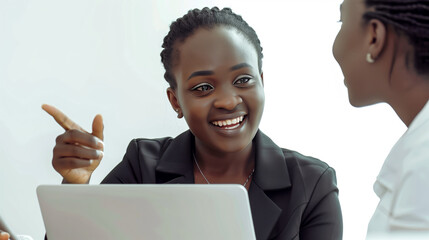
(271, 173)
(265, 212)
(175, 165)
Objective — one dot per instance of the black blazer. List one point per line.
(291, 196)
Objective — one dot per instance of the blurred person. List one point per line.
(383, 51)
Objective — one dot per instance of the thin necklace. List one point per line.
(202, 174)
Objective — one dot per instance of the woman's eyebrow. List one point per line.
(200, 73)
(241, 65)
(208, 73)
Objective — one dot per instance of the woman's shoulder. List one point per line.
(152, 142)
(297, 159)
(311, 170)
(292, 167)
(157, 145)
(147, 146)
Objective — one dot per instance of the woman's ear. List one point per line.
(377, 35)
(171, 94)
(262, 78)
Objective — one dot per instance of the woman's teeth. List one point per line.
(228, 122)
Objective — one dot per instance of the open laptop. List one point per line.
(146, 211)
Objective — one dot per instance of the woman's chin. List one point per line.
(358, 103)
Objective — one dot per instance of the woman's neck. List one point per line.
(214, 162)
(409, 103)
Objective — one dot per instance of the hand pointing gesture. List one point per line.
(77, 153)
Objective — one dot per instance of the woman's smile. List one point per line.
(229, 123)
(230, 127)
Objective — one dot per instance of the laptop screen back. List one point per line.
(146, 211)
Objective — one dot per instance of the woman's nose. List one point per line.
(227, 99)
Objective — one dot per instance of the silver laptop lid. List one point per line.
(146, 211)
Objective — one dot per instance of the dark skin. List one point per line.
(219, 93)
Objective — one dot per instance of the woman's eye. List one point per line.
(202, 87)
(243, 80)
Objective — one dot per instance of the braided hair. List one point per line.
(410, 17)
(205, 18)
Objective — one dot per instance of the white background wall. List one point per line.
(89, 57)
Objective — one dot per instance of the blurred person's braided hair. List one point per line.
(408, 17)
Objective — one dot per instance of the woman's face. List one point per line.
(219, 88)
(350, 50)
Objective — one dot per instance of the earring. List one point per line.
(369, 58)
(179, 113)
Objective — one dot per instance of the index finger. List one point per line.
(64, 121)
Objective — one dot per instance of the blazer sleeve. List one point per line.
(322, 219)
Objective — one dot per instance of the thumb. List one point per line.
(98, 127)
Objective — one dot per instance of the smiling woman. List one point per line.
(219, 82)
(213, 63)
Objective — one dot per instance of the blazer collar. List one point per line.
(271, 171)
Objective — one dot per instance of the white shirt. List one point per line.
(403, 183)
